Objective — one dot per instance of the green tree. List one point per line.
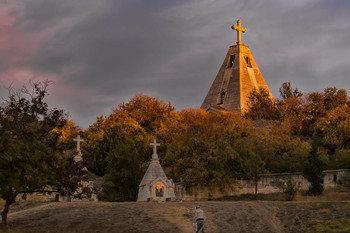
(340, 160)
(313, 172)
(122, 157)
(28, 150)
(280, 149)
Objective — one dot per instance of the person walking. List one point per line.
(199, 219)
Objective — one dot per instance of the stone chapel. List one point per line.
(236, 79)
(155, 186)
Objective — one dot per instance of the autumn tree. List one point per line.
(290, 108)
(147, 111)
(27, 149)
(333, 130)
(66, 134)
(261, 106)
(199, 147)
(317, 105)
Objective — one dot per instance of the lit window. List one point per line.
(159, 189)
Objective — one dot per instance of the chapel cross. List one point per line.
(78, 140)
(154, 144)
(239, 30)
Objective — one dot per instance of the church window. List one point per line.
(159, 189)
(221, 98)
(230, 61)
(247, 60)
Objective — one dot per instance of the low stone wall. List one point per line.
(267, 184)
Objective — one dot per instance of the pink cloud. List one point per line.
(6, 18)
(17, 45)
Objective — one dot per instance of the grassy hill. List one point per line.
(221, 216)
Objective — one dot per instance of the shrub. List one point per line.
(289, 188)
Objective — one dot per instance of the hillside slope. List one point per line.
(241, 216)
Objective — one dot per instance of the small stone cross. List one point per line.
(154, 144)
(78, 140)
(239, 30)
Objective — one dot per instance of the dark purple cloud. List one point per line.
(101, 53)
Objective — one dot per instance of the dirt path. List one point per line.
(241, 216)
(179, 216)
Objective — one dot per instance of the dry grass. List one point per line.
(239, 216)
(328, 213)
(335, 226)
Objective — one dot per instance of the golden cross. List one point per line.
(239, 30)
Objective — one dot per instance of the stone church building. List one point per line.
(236, 79)
(155, 186)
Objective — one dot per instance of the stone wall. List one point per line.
(267, 184)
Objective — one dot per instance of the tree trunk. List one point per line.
(9, 201)
(4, 214)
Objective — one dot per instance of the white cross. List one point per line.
(78, 140)
(155, 144)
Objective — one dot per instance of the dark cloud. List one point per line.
(104, 52)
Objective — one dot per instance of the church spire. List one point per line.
(237, 77)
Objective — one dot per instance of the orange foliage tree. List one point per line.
(147, 111)
(200, 147)
(66, 134)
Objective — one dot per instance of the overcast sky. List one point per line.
(101, 53)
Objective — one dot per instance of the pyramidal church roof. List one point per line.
(154, 169)
(238, 76)
(155, 186)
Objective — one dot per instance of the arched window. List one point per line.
(221, 98)
(159, 189)
(247, 60)
(230, 61)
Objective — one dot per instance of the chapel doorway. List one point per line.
(159, 189)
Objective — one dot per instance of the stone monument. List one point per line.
(83, 185)
(78, 157)
(155, 186)
(236, 79)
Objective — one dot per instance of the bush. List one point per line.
(290, 189)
